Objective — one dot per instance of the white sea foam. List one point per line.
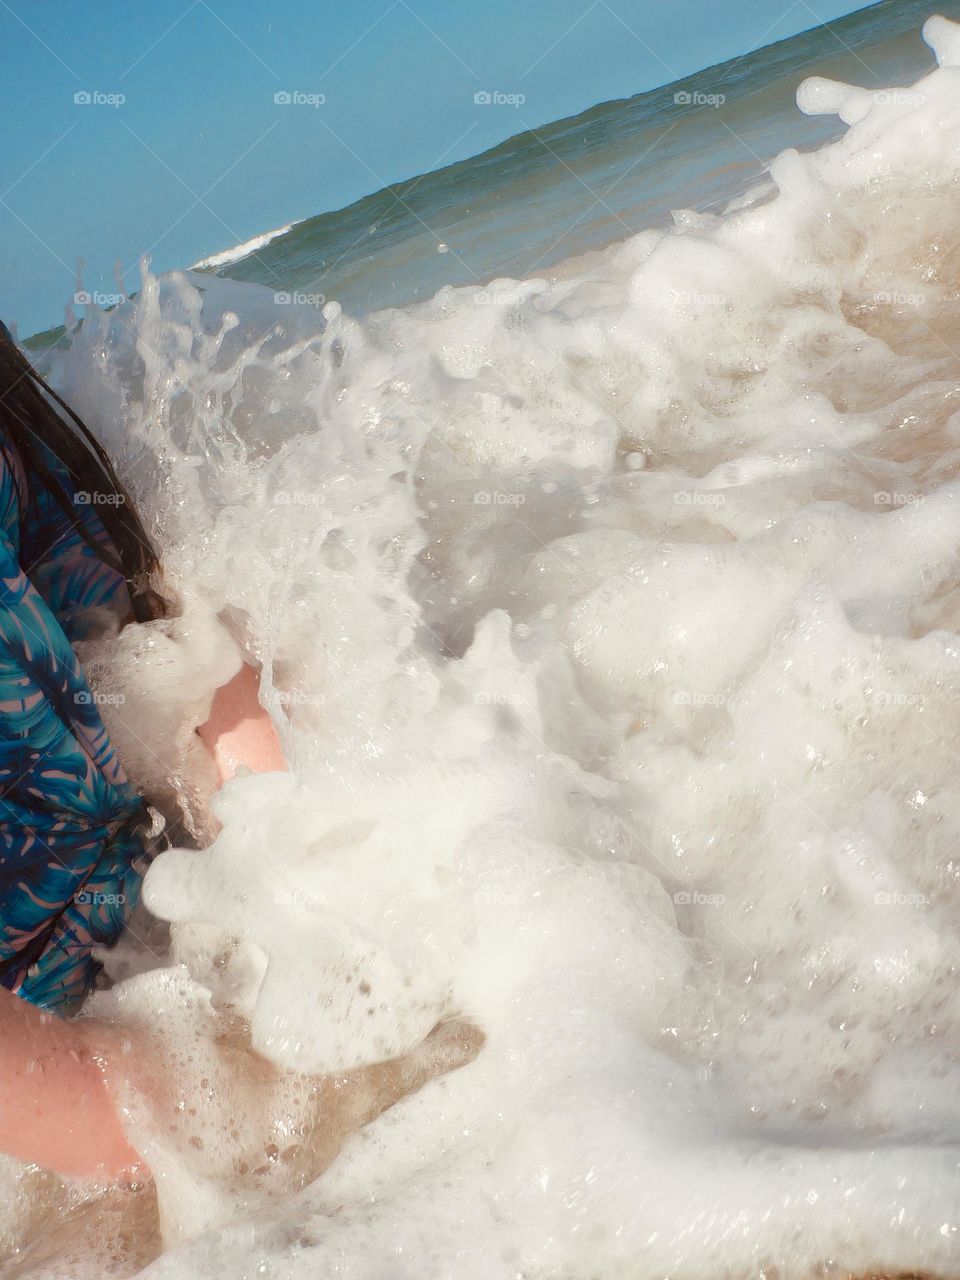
(227, 256)
(610, 629)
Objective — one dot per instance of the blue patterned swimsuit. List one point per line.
(72, 854)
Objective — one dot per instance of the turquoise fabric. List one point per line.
(72, 854)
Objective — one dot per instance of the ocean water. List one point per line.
(608, 613)
(551, 193)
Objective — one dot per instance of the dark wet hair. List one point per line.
(36, 420)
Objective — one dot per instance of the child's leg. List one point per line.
(54, 1106)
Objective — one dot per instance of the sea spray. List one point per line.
(610, 630)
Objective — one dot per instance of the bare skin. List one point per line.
(239, 732)
(56, 1109)
(274, 1129)
(288, 1130)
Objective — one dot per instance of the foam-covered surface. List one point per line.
(609, 626)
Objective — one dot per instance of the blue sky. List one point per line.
(198, 156)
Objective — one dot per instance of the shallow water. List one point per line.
(554, 191)
(609, 622)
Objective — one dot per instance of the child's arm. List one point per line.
(54, 1107)
(239, 731)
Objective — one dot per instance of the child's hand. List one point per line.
(239, 731)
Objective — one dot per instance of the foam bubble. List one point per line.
(646, 768)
